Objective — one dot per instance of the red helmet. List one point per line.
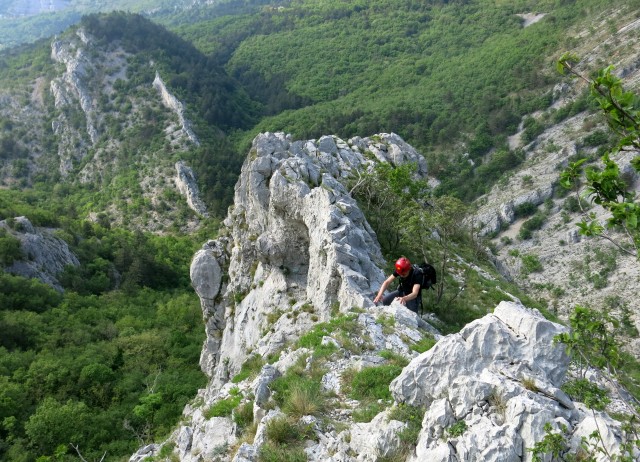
(403, 265)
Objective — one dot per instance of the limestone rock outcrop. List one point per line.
(45, 254)
(69, 88)
(295, 234)
(173, 103)
(501, 377)
(186, 184)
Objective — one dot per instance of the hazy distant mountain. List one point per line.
(24, 21)
(20, 8)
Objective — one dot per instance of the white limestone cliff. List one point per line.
(70, 87)
(173, 103)
(186, 184)
(296, 250)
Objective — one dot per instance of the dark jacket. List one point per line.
(406, 284)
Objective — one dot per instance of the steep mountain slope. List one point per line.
(98, 116)
(532, 219)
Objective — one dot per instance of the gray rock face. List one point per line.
(516, 343)
(173, 103)
(500, 376)
(71, 87)
(45, 254)
(186, 183)
(295, 234)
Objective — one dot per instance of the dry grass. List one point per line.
(303, 401)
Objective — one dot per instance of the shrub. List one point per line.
(525, 209)
(532, 128)
(588, 393)
(597, 138)
(530, 264)
(9, 248)
(573, 204)
(532, 224)
(457, 429)
(553, 443)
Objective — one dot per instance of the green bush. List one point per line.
(532, 128)
(573, 204)
(587, 392)
(532, 224)
(530, 264)
(595, 139)
(457, 429)
(525, 209)
(9, 248)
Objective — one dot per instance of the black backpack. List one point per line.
(428, 275)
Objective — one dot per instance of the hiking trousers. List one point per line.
(413, 305)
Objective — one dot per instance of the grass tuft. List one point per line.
(223, 408)
(373, 382)
(249, 369)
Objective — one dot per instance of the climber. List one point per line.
(408, 292)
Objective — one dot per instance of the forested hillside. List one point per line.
(88, 151)
(449, 77)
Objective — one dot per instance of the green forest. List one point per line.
(109, 363)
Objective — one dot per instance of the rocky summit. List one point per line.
(286, 291)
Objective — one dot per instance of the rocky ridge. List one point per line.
(71, 86)
(173, 103)
(297, 254)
